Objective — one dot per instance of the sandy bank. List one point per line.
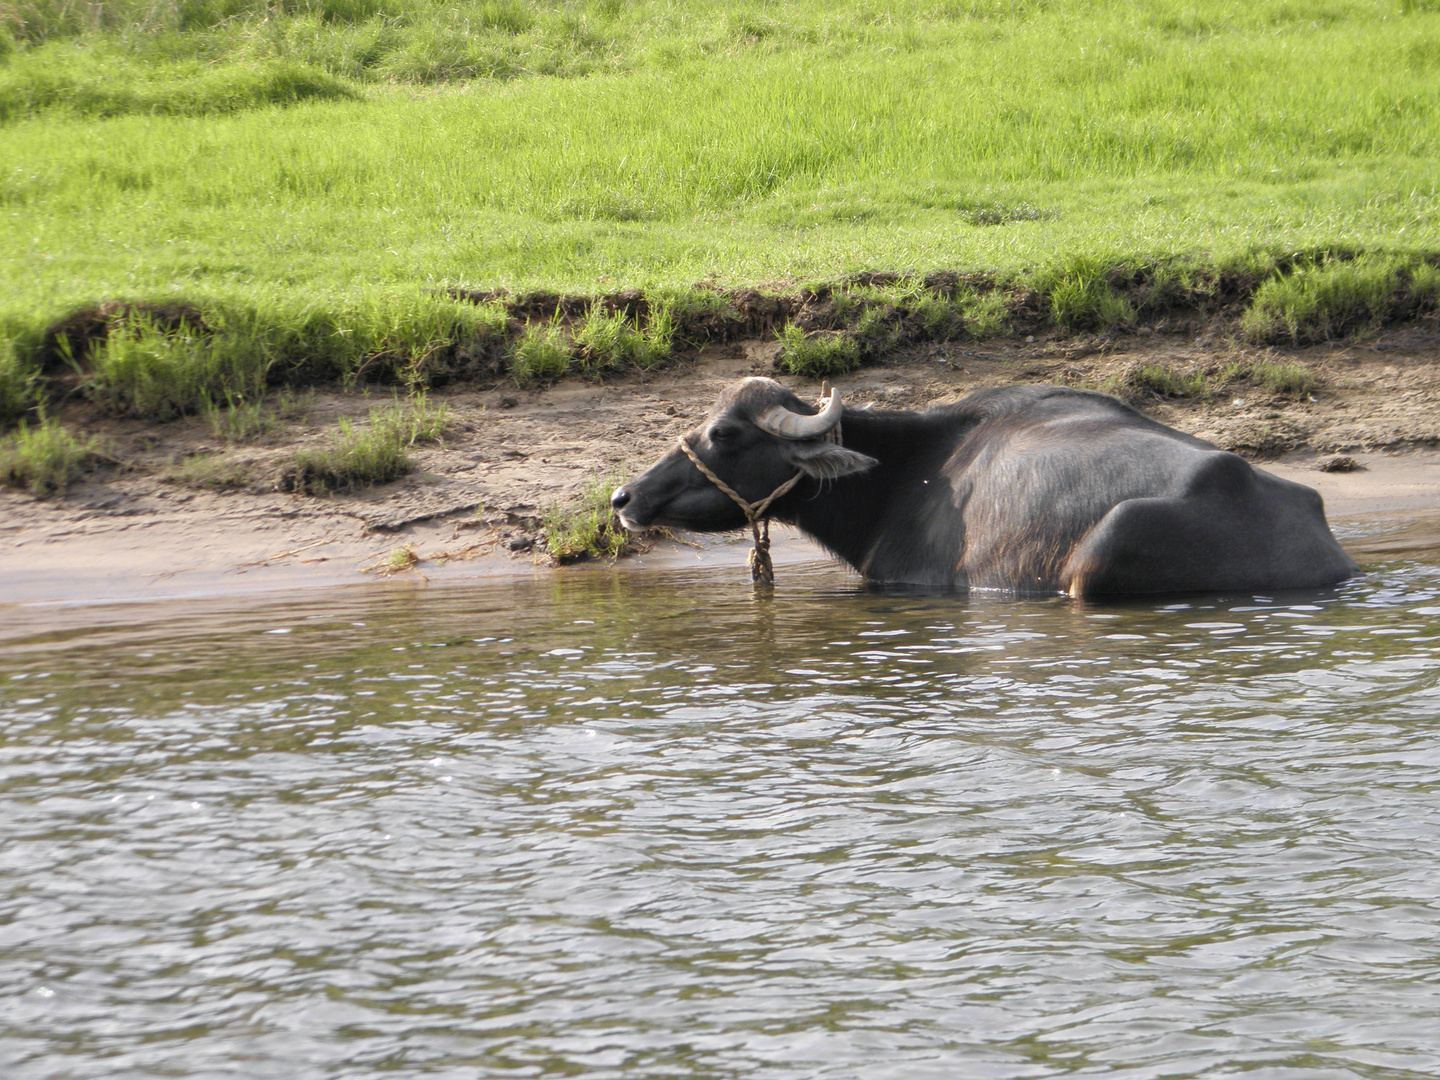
(1390, 508)
(470, 509)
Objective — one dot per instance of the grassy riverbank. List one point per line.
(307, 176)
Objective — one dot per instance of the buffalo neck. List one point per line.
(849, 515)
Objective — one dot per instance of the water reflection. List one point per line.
(644, 825)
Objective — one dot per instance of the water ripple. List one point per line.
(647, 826)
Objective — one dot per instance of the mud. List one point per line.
(473, 505)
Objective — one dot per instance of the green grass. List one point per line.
(355, 457)
(1082, 296)
(1280, 378)
(133, 362)
(690, 313)
(585, 528)
(147, 371)
(984, 313)
(70, 83)
(969, 313)
(17, 379)
(940, 317)
(1157, 380)
(604, 340)
(400, 559)
(238, 420)
(214, 472)
(817, 355)
(1320, 301)
(541, 353)
(831, 142)
(43, 459)
(610, 340)
(314, 174)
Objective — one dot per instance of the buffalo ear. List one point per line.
(826, 461)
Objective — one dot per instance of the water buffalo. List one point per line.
(1028, 489)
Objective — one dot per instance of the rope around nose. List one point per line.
(762, 570)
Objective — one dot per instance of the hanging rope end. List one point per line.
(762, 570)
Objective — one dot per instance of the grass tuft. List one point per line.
(241, 421)
(63, 82)
(43, 459)
(1149, 381)
(1324, 301)
(1156, 381)
(360, 457)
(17, 383)
(818, 355)
(148, 370)
(985, 313)
(1082, 297)
(540, 354)
(940, 317)
(400, 559)
(878, 330)
(587, 528)
(608, 341)
(421, 339)
(1278, 378)
(214, 472)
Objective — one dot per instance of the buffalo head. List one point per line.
(758, 436)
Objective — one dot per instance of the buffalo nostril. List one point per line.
(620, 499)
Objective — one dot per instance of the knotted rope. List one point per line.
(762, 570)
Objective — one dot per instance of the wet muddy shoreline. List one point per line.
(471, 509)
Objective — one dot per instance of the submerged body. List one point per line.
(1026, 489)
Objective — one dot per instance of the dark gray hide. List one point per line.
(1027, 489)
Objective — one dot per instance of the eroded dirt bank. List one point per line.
(471, 508)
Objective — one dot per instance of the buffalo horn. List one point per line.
(780, 421)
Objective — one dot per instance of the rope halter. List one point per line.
(762, 570)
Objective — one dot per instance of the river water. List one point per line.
(641, 824)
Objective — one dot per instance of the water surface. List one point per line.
(643, 825)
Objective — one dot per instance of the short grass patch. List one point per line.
(17, 382)
(540, 354)
(818, 355)
(398, 561)
(586, 528)
(878, 329)
(1280, 378)
(688, 310)
(1083, 298)
(361, 456)
(1145, 381)
(43, 458)
(984, 312)
(1322, 300)
(238, 420)
(611, 341)
(940, 317)
(420, 339)
(212, 472)
(146, 370)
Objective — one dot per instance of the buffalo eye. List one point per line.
(725, 436)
